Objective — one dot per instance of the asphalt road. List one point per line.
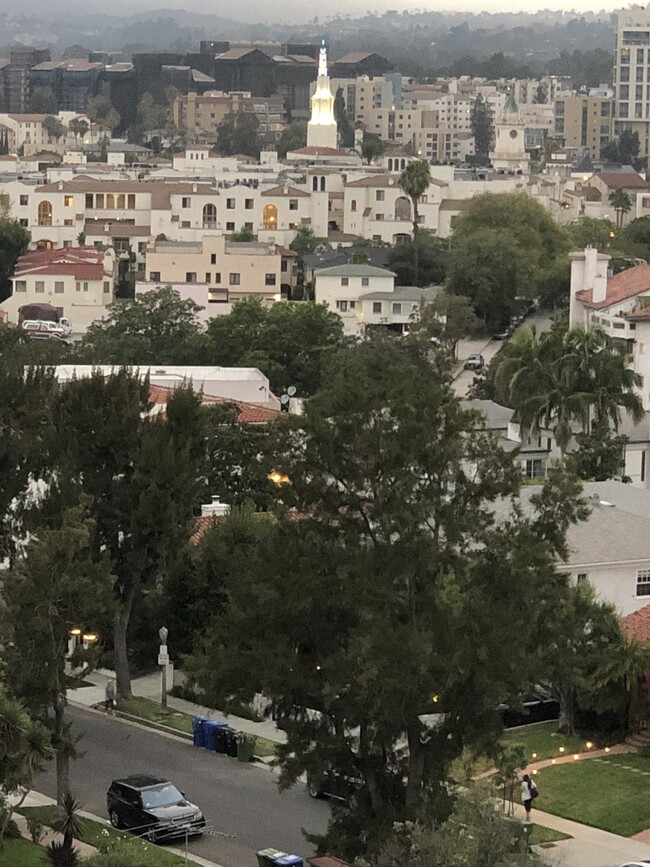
(237, 799)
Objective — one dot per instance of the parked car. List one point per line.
(537, 706)
(504, 333)
(63, 327)
(153, 808)
(332, 784)
(474, 362)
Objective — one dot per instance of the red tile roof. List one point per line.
(621, 286)
(622, 180)
(247, 413)
(320, 150)
(636, 626)
(85, 263)
(201, 526)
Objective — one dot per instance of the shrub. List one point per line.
(35, 828)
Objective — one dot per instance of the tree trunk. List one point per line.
(120, 644)
(633, 715)
(417, 752)
(566, 722)
(62, 774)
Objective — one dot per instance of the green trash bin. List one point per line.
(245, 747)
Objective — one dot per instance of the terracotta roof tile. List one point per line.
(621, 286)
(636, 626)
(201, 526)
(247, 413)
(313, 150)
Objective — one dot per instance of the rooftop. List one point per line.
(636, 626)
(622, 180)
(354, 271)
(620, 286)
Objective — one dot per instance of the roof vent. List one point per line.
(215, 508)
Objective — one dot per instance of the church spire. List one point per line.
(322, 59)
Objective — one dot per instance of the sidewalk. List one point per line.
(149, 687)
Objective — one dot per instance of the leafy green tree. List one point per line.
(482, 126)
(305, 242)
(244, 234)
(238, 133)
(372, 147)
(43, 101)
(151, 115)
(422, 262)
(293, 136)
(287, 342)
(102, 114)
(600, 456)
(589, 232)
(54, 128)
(14, 240)
(448, 318)
(56, 586)
(156, 327)
(541, 95)
(504, 247)
(140, 475)
(621, 203)
(367, 598)
(627, 661)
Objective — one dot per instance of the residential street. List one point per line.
(238, 799)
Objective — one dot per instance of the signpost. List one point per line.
(163, 662)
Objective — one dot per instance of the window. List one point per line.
(581, 577)
(230, 204)
(293, 204)
(110, 202)
(186, 202)
(365, 281)
(185, 224)
(213, 258)
(248, 204)
(59, 286)
(643, 582)
(23, 222)
(380, 195)
(230, 227)
(107, 286)
(217, 277)
(77, 286)
(85, 286)
(67, 244)
(142, 246)
(342, 306)
(234, 279)
(120, 201)
(154, 276)
(376, 306)
(44, 214)
(190, 277)
(353, 205)
(208, 277)
(209, 217)
(131, 201)
(535, 468)
(99, 200)
(345, 281)
(270, 217)
(68, 222)
(68, 201)
(269, 280)
(24, 200)
(20, 286)
(397, 309)
(39, 286)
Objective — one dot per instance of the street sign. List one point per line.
(163, 659)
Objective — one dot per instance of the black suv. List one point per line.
(152, 808)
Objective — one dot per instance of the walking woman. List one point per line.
(528, 794)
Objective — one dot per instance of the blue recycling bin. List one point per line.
(211, 728)
(198, 731)
(288, 861)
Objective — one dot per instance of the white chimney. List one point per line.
(215, 509)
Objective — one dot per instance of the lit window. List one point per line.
(68, 201)
(643, 582)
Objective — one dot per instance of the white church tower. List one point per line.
(509, 152)
(321, 129)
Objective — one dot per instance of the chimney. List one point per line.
(215, 509)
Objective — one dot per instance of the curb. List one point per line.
(161, 729)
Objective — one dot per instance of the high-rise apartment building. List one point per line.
(584, 122)
(631, 73)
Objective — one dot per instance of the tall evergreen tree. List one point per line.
(482, 126)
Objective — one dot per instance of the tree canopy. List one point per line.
(238, 133)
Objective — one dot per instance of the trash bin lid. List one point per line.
(289, 861)
(272, 853)
(214, 724)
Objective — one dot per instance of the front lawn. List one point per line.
(599, 792)
(21, 853)
(153, 711)
(96, 834)
(541, 834)
(541, 741)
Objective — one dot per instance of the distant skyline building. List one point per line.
(631, 79)
(322, 129)
(509, 154)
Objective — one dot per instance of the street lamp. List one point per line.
(163, 662)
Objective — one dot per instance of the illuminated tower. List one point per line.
(321, 129)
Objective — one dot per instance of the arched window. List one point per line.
(403, 164)
(353, 205)
(314, 184)
(44, 244)
(402, 208)
(44, 214)
(270, 217)
(209, 217)
(390, 164)
(322, 184)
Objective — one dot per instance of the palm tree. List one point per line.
(621, 203)
(415, 180)
(628, 661)
(68, 824)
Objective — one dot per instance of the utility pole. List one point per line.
(163, 661)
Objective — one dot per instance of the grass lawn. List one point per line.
(151, 710)
(599, 793)
(541, 834)
(95, 833)
(542, 739)
(21, 853)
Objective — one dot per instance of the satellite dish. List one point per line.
(291, 390)
(284, 399)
